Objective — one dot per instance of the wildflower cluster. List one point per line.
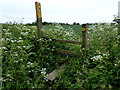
(98, 57)
(102, 37)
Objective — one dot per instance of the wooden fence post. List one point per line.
(0, 56)
(39, 32)
(117, 19)
(119, 36)
(119, 26)
(84, 39)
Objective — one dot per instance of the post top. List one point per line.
(117, 18)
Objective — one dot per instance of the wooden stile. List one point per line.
(39, 32)
(51, 76)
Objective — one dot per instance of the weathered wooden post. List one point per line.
(39, 32)
(0, 57)
(119, 25)
(84, 39)
(117, 19)
(119, 37)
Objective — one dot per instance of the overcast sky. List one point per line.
(66, 11)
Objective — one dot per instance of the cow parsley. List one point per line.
(98, 57)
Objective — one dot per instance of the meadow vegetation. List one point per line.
(26, 60)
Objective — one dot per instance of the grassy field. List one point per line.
(27, 60)
(76, 28)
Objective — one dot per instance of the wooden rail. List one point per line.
(63, 41)
(68, 41)
(69, 52)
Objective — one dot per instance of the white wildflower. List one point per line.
(24, 33)
(83, 48)
(98, 57)
(110, 86)
(16, 61)
(7, 33)
(20, 41)
(28, 62)
(7, 39)
(31, 63)
(33, 87)
(18, 47)
(27, 29)
(21, 59)
(43, 71)
(4, 29)
(16, 54)
(67, 33)
(50, 39)
(20, 37)
(28, 65)
(12, 41)
(24, 46)
(118, 36)
(101, 30)
(2, 39)
(10, 79)
(4, 48)
(119, 61)
(104, 54)
(8, 75)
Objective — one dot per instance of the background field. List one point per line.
(76, 28)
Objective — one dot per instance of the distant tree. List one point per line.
(74, 23)
(34, 23)
(67, 24)
(45, 23)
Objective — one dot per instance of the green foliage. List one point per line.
(27, 60)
